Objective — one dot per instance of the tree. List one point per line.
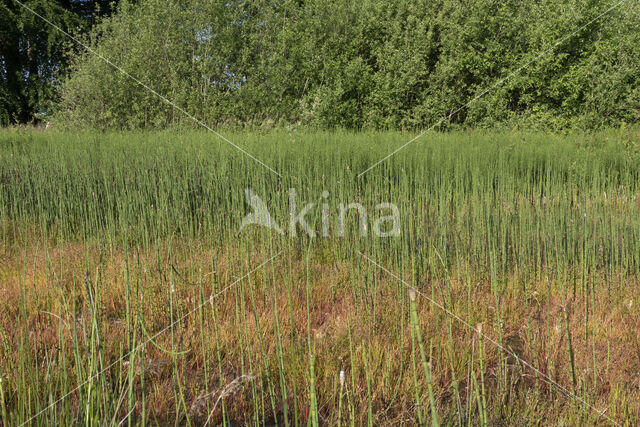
(361, 64)
(33, 54)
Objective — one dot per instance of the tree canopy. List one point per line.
(359, 64)
(33, 53)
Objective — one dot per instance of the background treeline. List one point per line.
(33, 55)
(359, 64)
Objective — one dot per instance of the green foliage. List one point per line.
(361, 64)
(33, 52)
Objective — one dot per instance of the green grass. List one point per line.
(109, 239)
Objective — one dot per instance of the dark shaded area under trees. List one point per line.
(33, 54)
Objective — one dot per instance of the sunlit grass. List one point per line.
(108, 239)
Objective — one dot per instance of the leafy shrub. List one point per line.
(361, 64)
